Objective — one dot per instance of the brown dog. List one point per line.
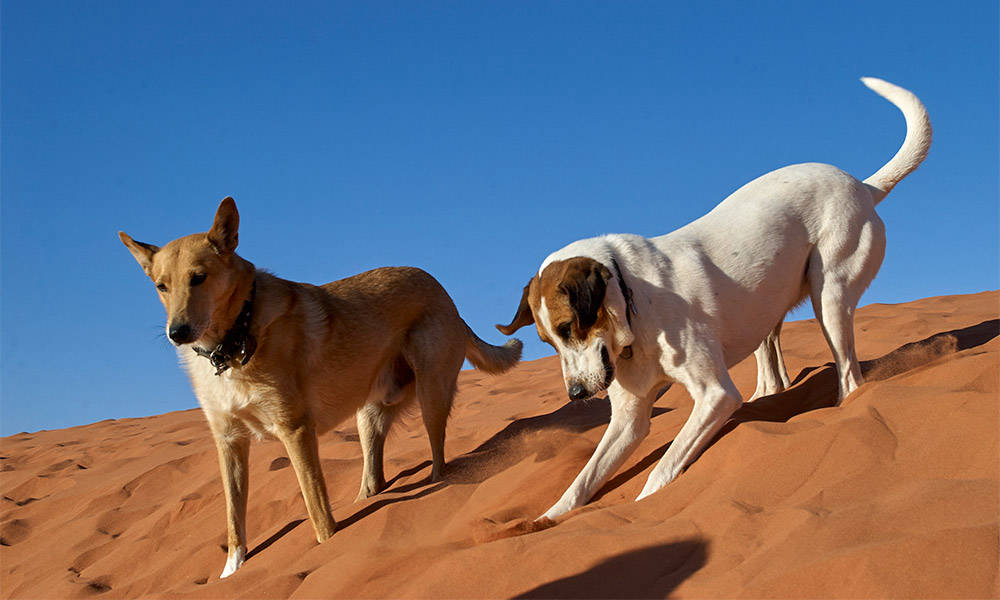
(269, 357)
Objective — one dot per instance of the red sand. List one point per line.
(895, 494)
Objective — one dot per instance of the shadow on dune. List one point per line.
(813, 388)
(816, 387)
(345, 523)
(489, 458)
(406, 473)
(274, 538)
(651, 572)
(504, 450)
(382, 502)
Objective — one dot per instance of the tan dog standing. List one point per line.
(269, 357)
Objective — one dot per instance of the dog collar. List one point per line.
(237, 343)
(626, 292)
(626, 352)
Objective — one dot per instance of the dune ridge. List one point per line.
(894, 494)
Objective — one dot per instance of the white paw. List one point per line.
(234, 562)
(555, 512)
(651, 487)
(552, 513)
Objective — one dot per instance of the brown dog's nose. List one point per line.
(180, 334)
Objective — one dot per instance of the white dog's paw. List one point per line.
(653, 485)
(557, 510)
(643, 494)
(235, 561)
(551, 514)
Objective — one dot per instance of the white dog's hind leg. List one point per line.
(772, 378)
(780, 359)
(838, 274)
(835, 312)
(715, 400)
(629, 425)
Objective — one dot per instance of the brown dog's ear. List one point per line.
(523, 316)
(143, 253)
(225, 232)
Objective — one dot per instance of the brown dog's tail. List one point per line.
(490, 358)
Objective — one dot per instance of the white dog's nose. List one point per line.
(578, 392)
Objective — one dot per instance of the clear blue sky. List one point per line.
(467, 138)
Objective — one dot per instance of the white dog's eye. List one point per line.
(161, 287)
(197, 279)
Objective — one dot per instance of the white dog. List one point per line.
(632, 315)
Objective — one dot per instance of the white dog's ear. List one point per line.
(524, 315)
(618, 306)
(143, 253)
(225, 232)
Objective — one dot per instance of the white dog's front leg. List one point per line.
(629, 425)
(715, 400)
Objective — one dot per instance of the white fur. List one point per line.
(234, 561)
(227, 395)
(580, 363)
(717, 289)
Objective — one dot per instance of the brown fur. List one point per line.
(574, 291)
(363, 345)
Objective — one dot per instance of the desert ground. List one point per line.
(892, 495)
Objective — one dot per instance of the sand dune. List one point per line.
(894, 494)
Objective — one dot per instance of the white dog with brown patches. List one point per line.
(632, 315)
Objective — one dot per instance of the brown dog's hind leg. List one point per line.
(374, 420)
(435, 391)
(300, 442)
(435, 349)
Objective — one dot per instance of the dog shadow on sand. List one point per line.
(501, 451)
(816, 387)
(813, 388)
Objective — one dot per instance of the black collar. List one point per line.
(626, 352)
(626, 292)
(237, 343)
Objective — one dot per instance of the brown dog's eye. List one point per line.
(197, 279)
(161, 287)
(564, 330)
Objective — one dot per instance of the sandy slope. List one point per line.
(893, 495)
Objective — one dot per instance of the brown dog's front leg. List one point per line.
(233, 444)
(303, 450)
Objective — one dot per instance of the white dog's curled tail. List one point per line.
(918, 136)
(487, 357)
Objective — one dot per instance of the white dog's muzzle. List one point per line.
(587, 371)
